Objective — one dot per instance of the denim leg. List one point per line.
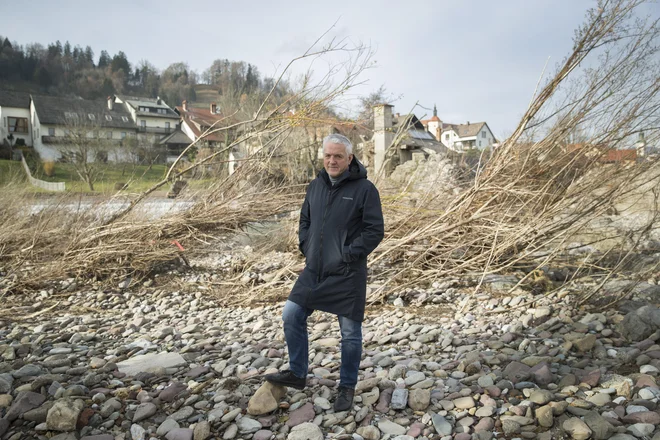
(295, 333)
(351, 351)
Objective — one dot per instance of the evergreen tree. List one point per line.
(89, 55)
(120, 61)
(104, 59)
(67, 49)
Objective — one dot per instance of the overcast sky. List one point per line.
(478, 60)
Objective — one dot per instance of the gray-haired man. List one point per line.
(341, 223)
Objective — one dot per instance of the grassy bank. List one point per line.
(138, 177)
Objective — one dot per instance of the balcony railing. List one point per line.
(157, 130)
(62, 140)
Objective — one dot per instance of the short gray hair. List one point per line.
(336, 138)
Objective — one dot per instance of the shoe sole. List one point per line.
(297, 387)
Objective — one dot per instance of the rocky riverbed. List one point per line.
(152, 363)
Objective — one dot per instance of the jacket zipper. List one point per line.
(325, 214)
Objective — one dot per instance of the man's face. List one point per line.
(335, 159)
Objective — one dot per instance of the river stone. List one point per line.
(180, 434)
(510, 427)
(202, 430)
(367, 384)
(369, 432)
(601, 429)
(640, 324)
(64, 414)
(577, 429)
(146, 363)
(230, 432)
(419, 400)
(641, 430)
(247, 425)
(399, 398)
(266, 399)
(585, 344)
(301, 415)
(541, 397)
(25, 401)
(137, 432)
(28, 370)
(183, 414)
(391, 428)
(144, 411)
(464, 402)
(441, 425)
(165, 427)
(545, 417)
(485, 411)
(305, 431)
(171, 392)
(651, 417)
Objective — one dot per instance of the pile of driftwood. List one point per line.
(547, 184)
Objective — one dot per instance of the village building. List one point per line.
(55, 120)
(398, 139)
(150, 115)
(460, 137)
(196, 122)
(15, 127)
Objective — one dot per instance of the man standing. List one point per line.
(341, 223)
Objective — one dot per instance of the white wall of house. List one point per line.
(485, 137)
(433, 128)
(449, 138)
(156, 122)
(14, 112)
(188, 131)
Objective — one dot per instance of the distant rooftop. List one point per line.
(10, 98)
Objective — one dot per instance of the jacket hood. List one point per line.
(355, 171)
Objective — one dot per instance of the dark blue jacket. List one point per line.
(340, 226)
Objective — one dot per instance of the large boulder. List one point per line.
(266, 399)
(640, 324)
(64, 414)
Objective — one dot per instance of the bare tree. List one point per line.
(86, 146)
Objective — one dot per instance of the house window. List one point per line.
(483, 134)
(108, 118)
(480, 143)
(447, 137)
(108, 135)
(167, 125)
(51, 132)
(91, 117)
(123, 134)
(143, 123)
(124, 118)
(18, 125)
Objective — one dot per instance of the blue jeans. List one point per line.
(295, 332)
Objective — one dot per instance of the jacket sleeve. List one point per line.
(303, 226)
(373, 228)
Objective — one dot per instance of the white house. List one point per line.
(463, 137)
(15, 118)
(151, 116)
(460, 137)
(54, 120)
